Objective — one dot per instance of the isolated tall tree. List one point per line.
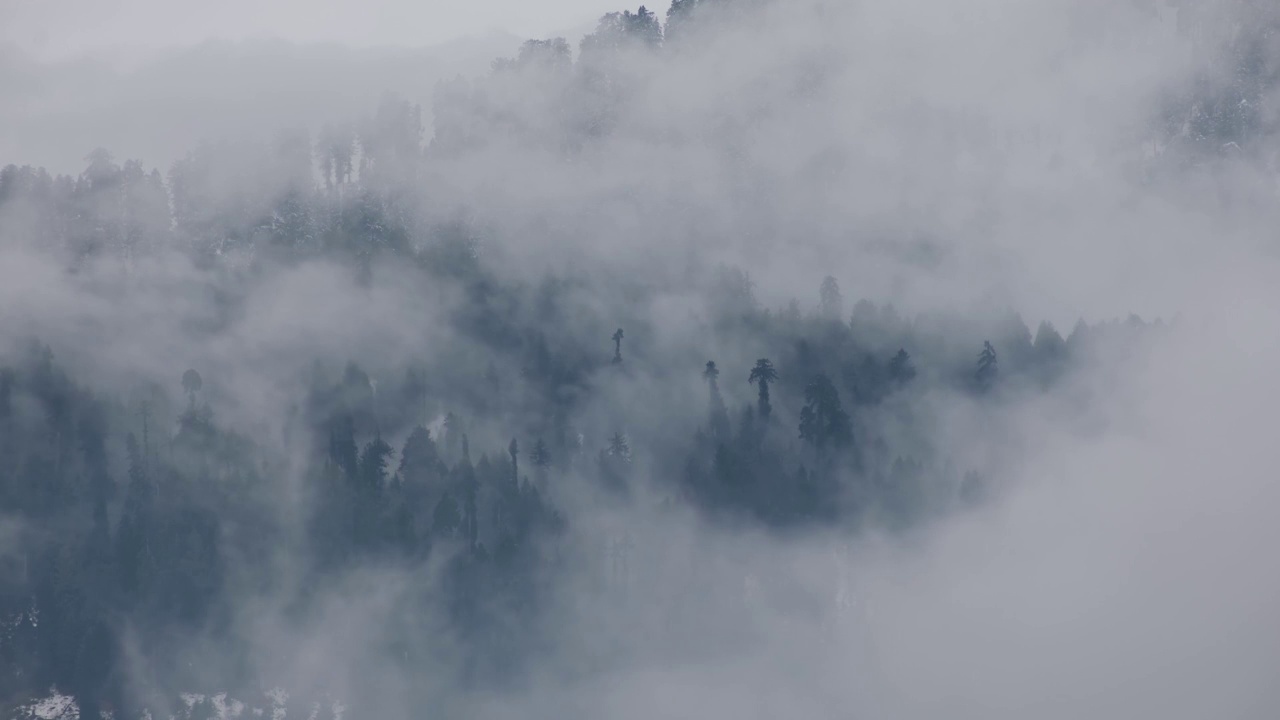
(986, 374)
(617, 346)
(763, 374)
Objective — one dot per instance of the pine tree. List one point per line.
(901, 370)
(763, 374)
(986, 374)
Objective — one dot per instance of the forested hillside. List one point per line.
(418, 410)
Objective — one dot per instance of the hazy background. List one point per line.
(149, 79)
(62, 28)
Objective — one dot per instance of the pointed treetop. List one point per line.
(617, 346)
(540, 456)
(763, 372)
(986, 364)
(711, 373)
(618, 446)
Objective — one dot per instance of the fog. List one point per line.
(62, 28)
(1084, 534)
(156, 105)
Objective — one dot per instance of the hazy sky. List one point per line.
(86, 25)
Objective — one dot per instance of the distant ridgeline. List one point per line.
(135, 526)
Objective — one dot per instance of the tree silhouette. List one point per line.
(763, 374)
(420, 460)
(614, 463)
(987, 369)
(619, 447)
(617, 346)
(901, 370)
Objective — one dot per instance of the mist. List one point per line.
(875, 359)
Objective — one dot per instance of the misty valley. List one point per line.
(677, 372)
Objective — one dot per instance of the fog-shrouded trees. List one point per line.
(824, 424)
(985, 376)
(152, 513)
(717, 413)
(762, 375)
